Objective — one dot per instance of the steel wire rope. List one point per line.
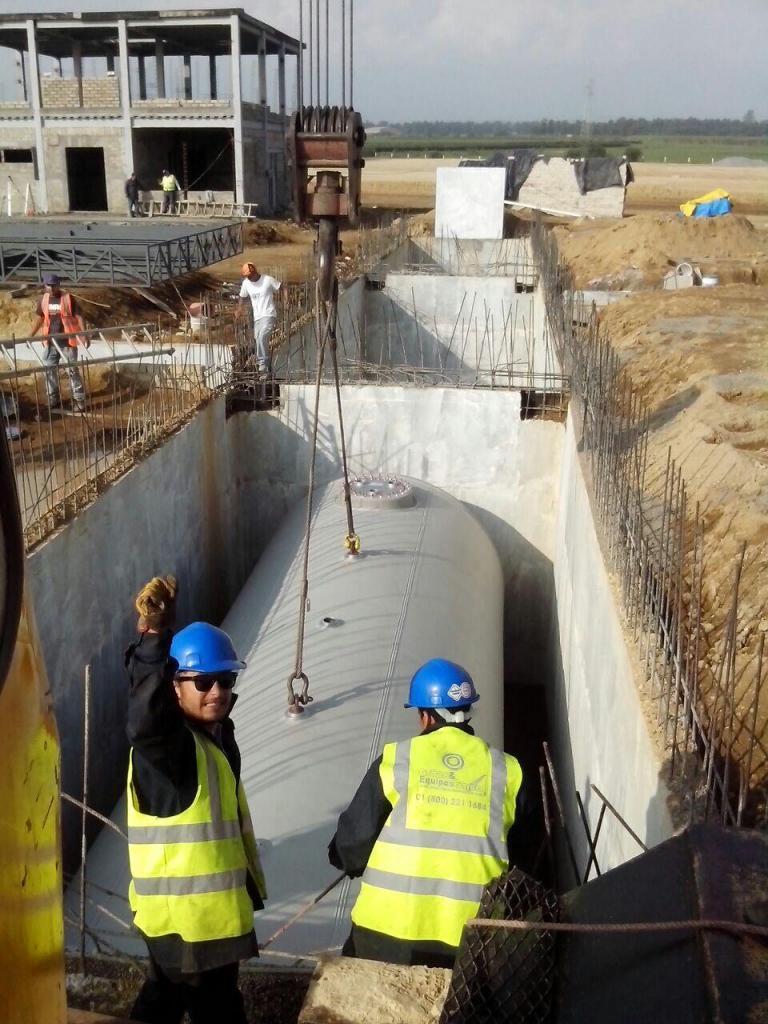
(327, 337)
(298, 701)
(351, 541)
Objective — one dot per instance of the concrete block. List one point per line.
(470, 202)
(368, 992)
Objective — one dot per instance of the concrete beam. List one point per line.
(34, 89)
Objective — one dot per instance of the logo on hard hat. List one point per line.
(456, 692)
(453, 761)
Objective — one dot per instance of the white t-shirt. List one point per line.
(262, 295)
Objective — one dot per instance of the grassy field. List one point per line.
(654, 148)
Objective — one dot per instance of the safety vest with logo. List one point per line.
(189, 870)
(453, 802)
(69, 321)
(168, 183)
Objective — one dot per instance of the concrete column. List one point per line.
(187, 76)
(111, 63)
(160, 68)
(24, 87)
(125, 95)
(34, 91)
(77, 61)
(212, 76)
(237, 106)
(263, 100)
(281, 81)
(263, 69)
(142, 77)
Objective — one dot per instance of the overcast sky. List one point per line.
(528, 59)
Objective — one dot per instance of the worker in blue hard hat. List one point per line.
(427, 828)
(196, 876)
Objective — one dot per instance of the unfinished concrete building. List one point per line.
(98, 95)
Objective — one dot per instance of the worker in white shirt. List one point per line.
(261, 290)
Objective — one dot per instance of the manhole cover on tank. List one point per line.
(372, 491)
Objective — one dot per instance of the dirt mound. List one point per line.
(260, 232)
(639, 250)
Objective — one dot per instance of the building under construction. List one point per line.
(96, 96)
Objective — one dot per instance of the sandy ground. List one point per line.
(411, 184)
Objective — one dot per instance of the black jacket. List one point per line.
(165, 780)
(356, 834)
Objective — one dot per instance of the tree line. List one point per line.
(747, 126)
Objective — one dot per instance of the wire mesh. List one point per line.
(502, 975)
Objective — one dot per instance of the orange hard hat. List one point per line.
(247, 268)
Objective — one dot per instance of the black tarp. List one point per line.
(591, 174)
(600, 172)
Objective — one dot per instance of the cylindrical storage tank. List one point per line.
(428, 584)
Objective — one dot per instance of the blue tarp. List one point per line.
(716, 208)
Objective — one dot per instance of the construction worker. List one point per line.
(170, 187)
(133, 188)
(427, 828)
(58, 313)
(196, 876)
(261, 290)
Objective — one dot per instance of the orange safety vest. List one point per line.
(69, 321)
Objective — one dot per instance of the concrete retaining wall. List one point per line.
(599, 728)
(183, 510)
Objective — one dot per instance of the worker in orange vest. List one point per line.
(59, 316)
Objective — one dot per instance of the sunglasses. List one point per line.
(204, 683)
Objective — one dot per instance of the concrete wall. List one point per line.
(58, 136)
(599, 727)
(20, 136)
(469, 202)
(552, 185)
(459, 325)
(87, 93)
(185, 510)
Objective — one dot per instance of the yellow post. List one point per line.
(32, 989)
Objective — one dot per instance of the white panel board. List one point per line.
(470, 202)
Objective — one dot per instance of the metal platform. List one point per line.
(113, 252)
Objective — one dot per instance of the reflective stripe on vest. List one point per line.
(169, 183)
(69, 322)
(453, 802)
(190, 870)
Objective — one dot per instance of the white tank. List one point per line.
(428, 584)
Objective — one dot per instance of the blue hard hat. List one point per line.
(201, 647)
(51, 280)
(441, 684)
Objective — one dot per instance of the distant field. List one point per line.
(654, 148)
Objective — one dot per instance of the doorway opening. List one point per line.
(86, 178)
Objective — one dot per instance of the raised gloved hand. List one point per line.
(156, 604)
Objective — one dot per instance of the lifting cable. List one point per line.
(326, 319)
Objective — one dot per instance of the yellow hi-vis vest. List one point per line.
(453, 802)
(189, 870)
(168, 183)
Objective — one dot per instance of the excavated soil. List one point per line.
(699, 359)
(638, 251)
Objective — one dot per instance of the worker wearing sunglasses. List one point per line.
(195, 866)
